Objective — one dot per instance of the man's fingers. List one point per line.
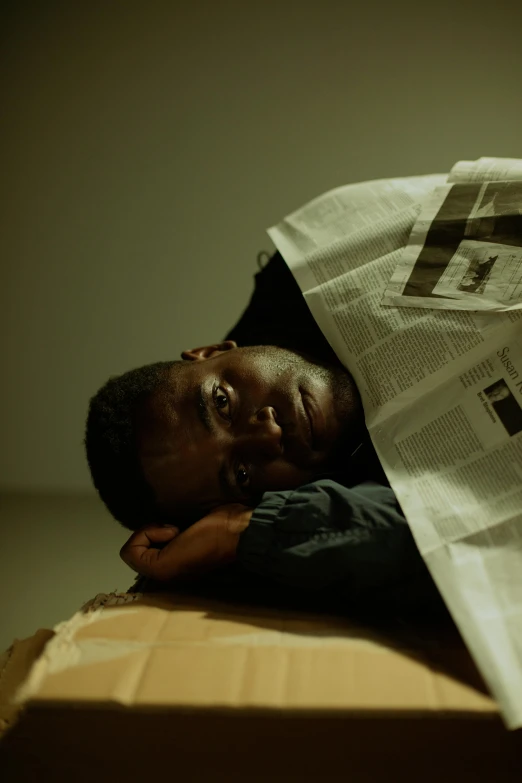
(139, 552)
(157, 535)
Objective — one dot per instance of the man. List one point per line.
(259, 456)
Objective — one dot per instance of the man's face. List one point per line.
(233, 423)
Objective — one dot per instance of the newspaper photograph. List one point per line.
(465, 250)
(442, 395)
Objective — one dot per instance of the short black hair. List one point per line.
(111, 444)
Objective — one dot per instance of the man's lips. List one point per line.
(315, 418)
(297, 432)
(303, 429)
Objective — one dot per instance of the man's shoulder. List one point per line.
(277, 314)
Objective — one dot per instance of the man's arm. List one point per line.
(325, 534)
(350, 548)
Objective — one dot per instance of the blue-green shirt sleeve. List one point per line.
(352, 544)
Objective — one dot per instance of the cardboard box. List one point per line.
(15, 665)
(140, 686)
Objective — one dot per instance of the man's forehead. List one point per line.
(179, 464)
(158, 419)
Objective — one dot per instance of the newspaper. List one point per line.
(465, 249)
(442, 394)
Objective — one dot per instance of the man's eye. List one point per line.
(242, 478)
(221, 401)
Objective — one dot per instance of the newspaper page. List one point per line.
(486, 170)
(454, 459)
(465, 249)
(392, 352)
(409, 363)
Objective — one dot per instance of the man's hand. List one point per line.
(207, 544)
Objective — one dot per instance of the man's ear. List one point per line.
(208, 351)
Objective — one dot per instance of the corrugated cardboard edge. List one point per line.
(110, 599)
(68, 649)
(15, 665)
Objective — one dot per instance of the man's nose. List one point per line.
(261, 438)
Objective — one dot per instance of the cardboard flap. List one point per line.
(15, 665)
(178, 652)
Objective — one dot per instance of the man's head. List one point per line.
(224, 425)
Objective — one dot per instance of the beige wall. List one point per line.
(145, 148)
(148, 145)
(57, 552)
